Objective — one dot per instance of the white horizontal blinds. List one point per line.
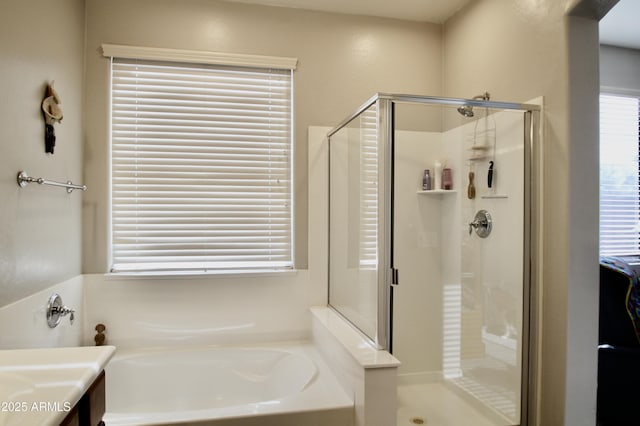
(619, 176)
(369, 187)
(201, 167)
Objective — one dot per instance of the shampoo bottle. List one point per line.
(437, 176)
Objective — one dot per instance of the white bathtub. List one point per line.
(214, 385)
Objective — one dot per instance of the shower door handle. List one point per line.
(394, 277)
(482, 224)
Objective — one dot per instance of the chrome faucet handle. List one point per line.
(482, 224)
(64, 311)
(473, 225)
(56, 309)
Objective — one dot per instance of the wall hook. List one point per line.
(52, 114)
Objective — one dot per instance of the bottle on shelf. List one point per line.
(426, 181)
(447, 179)
(437, 176)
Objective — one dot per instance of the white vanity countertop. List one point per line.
(40, 386)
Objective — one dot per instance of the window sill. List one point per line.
(169, 275)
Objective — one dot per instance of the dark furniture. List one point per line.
(91, 407)
(619, 348)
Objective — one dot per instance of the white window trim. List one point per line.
(197, 56)
(199, 275)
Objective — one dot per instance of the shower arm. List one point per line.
(484, 97)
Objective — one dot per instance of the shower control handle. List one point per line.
(473, 225)
(482, 224)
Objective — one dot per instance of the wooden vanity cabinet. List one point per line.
(72, 419)
(91, 407)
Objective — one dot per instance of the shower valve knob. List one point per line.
(482, 224)
(473, 225)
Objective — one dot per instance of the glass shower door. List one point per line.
(353, 221)
(458, 312)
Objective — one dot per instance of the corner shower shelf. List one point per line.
(478, 152)
(475, 148)
(436, 191)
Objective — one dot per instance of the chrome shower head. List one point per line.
(467, 110)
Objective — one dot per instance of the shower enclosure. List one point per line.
(438, 275)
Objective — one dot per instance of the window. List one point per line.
(619, 175)
(200, 165)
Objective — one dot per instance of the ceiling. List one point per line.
(621, 26)
(436, 11)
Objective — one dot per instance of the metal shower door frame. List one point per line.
(387, 276)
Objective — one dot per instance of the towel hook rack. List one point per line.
(24, 179)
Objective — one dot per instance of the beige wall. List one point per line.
(518, 50)
(343, 60)
(40, 41)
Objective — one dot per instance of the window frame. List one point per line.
(190, 57)
(619, 93)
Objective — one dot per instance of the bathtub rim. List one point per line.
(323, 392)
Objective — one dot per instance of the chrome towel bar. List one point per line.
(24, 179)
